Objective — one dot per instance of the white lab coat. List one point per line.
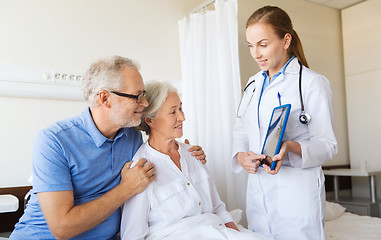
(290, 204)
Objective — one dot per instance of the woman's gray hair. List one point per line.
(105, 74)
(156, 94)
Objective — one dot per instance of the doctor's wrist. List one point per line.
(292, 146)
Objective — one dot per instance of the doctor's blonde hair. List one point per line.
(281, 23)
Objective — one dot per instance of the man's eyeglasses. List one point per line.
(139, 97)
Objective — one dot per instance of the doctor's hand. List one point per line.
(287, 146)
(197, 152)
(249, 161)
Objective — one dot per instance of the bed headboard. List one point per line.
(8, 220)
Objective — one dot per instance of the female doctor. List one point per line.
(289, 201)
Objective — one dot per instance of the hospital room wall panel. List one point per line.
(362, 52)
(364, 118)
(361, 24)
(24, 118)
(71, 34)
(363, 98)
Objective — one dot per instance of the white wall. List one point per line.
(71, 34)
(362, 51)
(23, 118)
(319, 29)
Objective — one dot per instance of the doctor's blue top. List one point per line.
(72, 155)
(267, 82)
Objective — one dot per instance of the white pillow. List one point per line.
(333, 210)
(236, 215)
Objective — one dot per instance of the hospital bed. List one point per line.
(344, 225)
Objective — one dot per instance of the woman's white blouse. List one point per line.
(172, 196)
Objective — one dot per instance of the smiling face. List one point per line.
(126, 112)
(168, 123)
(267, 49)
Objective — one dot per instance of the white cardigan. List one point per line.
(173, 195)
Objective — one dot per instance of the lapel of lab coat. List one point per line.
(258, 89)
(266, 107)
(292, 70)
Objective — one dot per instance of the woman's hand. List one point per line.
(287, 146)
(249, 161)
(232, 226)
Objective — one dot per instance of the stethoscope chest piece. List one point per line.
(304, 118)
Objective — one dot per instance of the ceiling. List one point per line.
(338, 4)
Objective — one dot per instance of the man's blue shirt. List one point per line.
(72, 155)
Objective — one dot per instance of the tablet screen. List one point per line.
(275, 132)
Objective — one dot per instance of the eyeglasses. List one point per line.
(139, 97)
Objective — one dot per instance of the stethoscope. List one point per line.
(304, 117)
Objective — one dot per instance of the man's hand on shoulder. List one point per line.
(137, 178)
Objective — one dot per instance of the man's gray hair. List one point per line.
(105, 74)
(156, 94)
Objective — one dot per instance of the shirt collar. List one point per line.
(293, 67)
(281, 71)
(153, 152)
(93, 131)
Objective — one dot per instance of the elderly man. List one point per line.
(81, 165)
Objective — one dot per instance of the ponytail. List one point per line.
(296, 49)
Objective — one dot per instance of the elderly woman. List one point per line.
(183, 194)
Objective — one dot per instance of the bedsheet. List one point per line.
(205, 226)
(350, 226)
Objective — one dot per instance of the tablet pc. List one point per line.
(274, 135)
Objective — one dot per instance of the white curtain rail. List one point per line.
(202, 6)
